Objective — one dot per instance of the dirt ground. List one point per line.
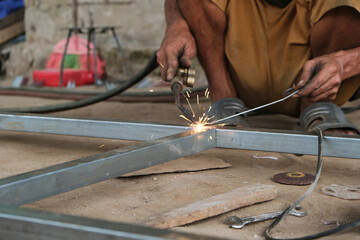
(136, 198)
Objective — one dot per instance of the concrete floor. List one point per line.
(136, 198)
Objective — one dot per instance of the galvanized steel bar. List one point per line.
(287, 142)
(88, 128)
(29, 224)
(42, 183)
(280, 141)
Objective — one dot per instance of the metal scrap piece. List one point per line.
(342, 191)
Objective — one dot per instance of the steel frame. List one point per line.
(162, 143)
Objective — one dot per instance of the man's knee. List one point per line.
(338, 29)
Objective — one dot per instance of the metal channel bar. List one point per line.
(88, 128)
(42, 183)
(287, 142)
(28, 224)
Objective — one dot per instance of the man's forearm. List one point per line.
(350, 62)
(173, 14)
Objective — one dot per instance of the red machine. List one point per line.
(78, 64)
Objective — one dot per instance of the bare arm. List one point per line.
(178, 43)
(172, 13)
(350, 62)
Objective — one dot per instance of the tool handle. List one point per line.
(187, 76)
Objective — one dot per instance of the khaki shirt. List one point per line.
(267, 46)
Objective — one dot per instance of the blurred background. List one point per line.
(30, 30)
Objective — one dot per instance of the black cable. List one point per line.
(350, 109)
(200, 89)
(310, 189)
(151, 65)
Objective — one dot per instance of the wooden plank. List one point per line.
(213, 206)
(10, 32)
(12, 18)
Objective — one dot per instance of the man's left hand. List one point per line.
(320, 79)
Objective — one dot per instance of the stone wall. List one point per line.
(140, 25)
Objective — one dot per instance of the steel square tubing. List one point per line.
(28, 224)
(88, 128)
(286, 142)
(46, 182)
(280, 141)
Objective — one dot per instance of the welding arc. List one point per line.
(302, 197)
(151, 65)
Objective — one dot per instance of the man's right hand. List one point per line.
(177, 47)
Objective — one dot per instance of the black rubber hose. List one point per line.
(162, 93)
(151, 65)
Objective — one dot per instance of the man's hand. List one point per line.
(321, 79)
(322, 76)
(177, 45)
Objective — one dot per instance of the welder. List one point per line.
(253, 50)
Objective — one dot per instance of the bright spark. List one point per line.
(182, 116)
(199, 127)
(203, 121)
(160, 63)
(151, 90)
(207, 93)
